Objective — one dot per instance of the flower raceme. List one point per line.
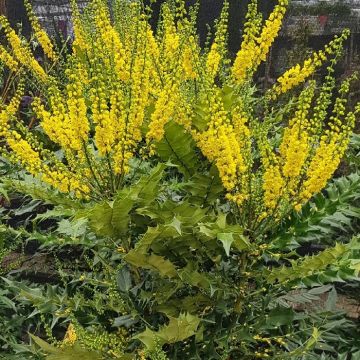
(21, 52)
(30, 154)
(110, 100)
(257, 41)
(299, 73)
(8, 60)
(40, 33)
(218, 49)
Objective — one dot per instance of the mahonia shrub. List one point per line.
(122, 84)
(126, 95)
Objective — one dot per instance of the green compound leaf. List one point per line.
(178, 147)
(152, 262)
(65, 353)
(111, 219)
(227, 239)
(178, 329)
(205, 188)
(328, 215)
(280, 316)
(311, 265)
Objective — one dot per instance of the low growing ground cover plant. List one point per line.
(173, 199)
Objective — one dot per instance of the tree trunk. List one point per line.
(3, 7)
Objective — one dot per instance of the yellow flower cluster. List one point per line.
(249, 45)
(24, 153)
(239, 122)
(330, 149)
(308, 155)
(21, 51)
(254, 49)
(70, 336)
(171, 38)
(66, 123)
(109, 41)
(153, 51)
(295, 145)
(190, 60)
(8, 112)
(218, 49)
(213, 60)
(124, 84)
(30, 155)
(80, 44)
(131, 130)
(299, 73)
(8, 60)
(164, 109)
(294, 149)
(105, 119)
(221, 145)
(252, 26)
(40, 33)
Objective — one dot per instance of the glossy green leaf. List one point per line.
(178, 147)
(65, 353)
(280, 316)
(152, 262)
(226, 239)
(178, 329)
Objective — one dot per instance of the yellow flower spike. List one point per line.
(8, 60)
(252, 26)
(171, 38)
(240, 122)
(295, 146)
(31, 160)
(218, 49)
(331, 148)
(322, 166)
(80, 44)
(66, 123)
(154, 54)
(111, 44)
(164, 109)
(273, 186)
(298, 74)
(21, 50)
(40, 33)
(255, 48)
(188, 62)
(213, 60)
(273, 182)
(219, 143)
(183, 114)
(8, 112)
(320, 109)
(22, 152)
(130, 134)
(77, 115)
(294, 150)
